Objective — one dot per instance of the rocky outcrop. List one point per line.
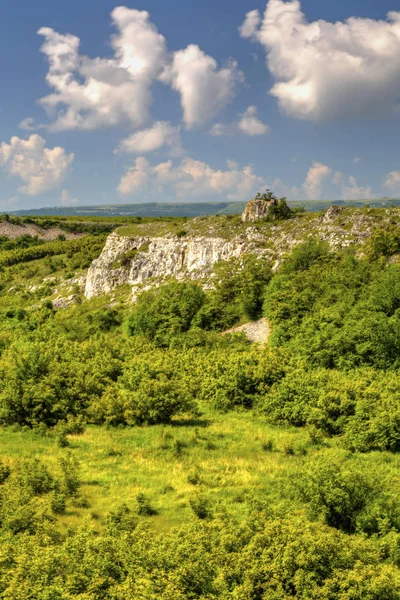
(143, 261)
(265, 207)
(257, 209)
(138, 260)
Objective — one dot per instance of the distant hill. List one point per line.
(183, 209)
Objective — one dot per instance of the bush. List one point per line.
(344, 493)
(165, 312)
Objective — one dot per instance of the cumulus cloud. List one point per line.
(160, 134)
(392, 181)
(350, 190)
(314, 181)
(204, 89)
(67, 200)
(251, 24)
(136, 177)
(326, 70)
(353, 191)
(41, 169)
(192, 178)
(91, 93)
(248, 123)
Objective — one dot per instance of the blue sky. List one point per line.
(198, 101)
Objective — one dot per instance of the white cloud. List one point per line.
(91, 93)
(136, 177)
(353, 191)
(350, 190)
(250, 25)
(328, 70)
(160, 134)
(314, 181)
(356, 160)
(392, 181)
(42, 169)
(192, 178)
(29, 125)
(67, 200)
(204, 88)
(248, 123)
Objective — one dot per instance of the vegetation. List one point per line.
(145, 455)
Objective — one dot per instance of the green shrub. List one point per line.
(165, 312)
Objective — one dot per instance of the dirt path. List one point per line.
(257, 331)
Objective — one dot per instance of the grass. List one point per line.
(224, 226)
(227, 458)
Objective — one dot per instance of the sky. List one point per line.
(154, 101)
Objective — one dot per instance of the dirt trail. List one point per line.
(257, 331)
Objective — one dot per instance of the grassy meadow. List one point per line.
(230, 458)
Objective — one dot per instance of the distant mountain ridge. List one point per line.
(184, 209)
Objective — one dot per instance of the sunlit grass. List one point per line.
(227, 452)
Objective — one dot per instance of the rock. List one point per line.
(331, 214)
(266, 206)
(59, 303)
(257, 209)
(257, 331)
(151, 258)
(144, 261)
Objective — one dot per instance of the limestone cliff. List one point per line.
(137, 260)
(152, 253)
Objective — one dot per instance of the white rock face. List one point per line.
(159, 258)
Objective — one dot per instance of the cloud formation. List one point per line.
(324, 70)
(314, 180)
(160, 134)
(248, 123)
(191, 178)
(353, 191)
(41, 169)
(90, 93)
(204, 88)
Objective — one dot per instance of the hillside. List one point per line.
(145, 455)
